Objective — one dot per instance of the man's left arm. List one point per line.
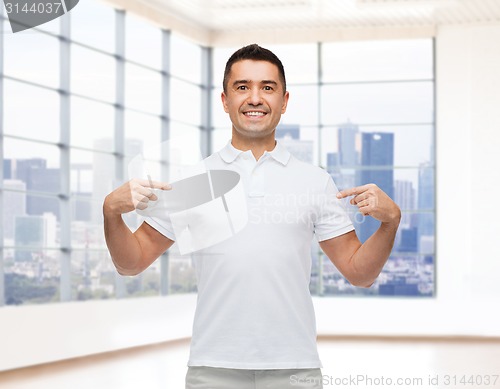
(362, 263)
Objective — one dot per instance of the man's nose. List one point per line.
(254, 97)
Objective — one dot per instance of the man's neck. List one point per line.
(257, 145)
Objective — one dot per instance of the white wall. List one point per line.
(468, 241)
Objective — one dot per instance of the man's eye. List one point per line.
(267, 87)
(242, 87)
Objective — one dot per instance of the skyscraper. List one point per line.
(426, 224)
(377, 158)
(404, 197)
(341, 165)
(348, 154)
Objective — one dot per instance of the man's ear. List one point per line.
(224, 102)
(285, 102)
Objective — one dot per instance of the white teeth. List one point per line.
(254, 113)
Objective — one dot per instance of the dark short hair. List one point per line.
(255, 53)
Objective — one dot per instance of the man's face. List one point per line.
(254, 98)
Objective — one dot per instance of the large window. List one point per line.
(76, 111)
(84, 94)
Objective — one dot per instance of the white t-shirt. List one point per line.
(254, 308)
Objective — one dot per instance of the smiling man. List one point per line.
(254, 325)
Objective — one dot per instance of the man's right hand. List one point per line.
(134, 194)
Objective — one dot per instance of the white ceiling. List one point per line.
(212, 21)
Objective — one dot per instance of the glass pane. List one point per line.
(405, 102)
(93, 172)
(185, 59)
(142, 133)
(145, 284)
(31, 112)
(299, 60)
(302, 106)
(93, 275)
(14, 205)
(185, 102)
(142, 89)
(410, 146)
(92, 73)
(87, 230)
(31, 276)
(37, 226)
(29, 220)
(32, 56)
(416, 233)
(377, 60)
(93, 24)
(35, 164)
(90, 122)
(143, 42)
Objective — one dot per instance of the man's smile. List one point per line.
(255, 113)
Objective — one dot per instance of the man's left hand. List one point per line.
(373, 201)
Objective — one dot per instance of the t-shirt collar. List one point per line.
(229, 153)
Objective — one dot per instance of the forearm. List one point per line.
(372, 255)
(123, 246)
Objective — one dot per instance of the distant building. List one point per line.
(37, 177)
(409, 240)
(14, 205)
(347, 138)
(289, 136)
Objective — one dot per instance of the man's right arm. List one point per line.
(131, 252)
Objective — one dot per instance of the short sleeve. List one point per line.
(332, 219)
(157, 217)
(163, 226)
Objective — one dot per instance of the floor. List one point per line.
(357, 363)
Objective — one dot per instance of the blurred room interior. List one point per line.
(405, 93)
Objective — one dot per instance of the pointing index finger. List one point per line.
(351, 191)
(149, 183)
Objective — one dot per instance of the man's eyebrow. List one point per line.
(266, 82)
(240, 82)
